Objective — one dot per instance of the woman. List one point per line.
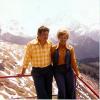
(64, 64)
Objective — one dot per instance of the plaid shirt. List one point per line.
(37, 55)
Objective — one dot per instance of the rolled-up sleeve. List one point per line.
(27, 55)
(74, 62)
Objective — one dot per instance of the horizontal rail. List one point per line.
(20, 75)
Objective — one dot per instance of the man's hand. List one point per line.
(79, 75)
(23, 71)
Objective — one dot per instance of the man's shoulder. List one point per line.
(54, 46)
(35, 41)
(32, 42)
(49, 42)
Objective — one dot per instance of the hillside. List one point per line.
(90, 66)
(10, 64)
(8, 37)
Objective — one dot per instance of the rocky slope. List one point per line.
(12, 88)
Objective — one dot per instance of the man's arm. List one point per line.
(27, 58)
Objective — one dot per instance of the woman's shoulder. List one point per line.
(70, 47)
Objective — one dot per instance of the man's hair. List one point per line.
(42, 29)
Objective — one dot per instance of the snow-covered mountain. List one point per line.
(92, 31)
(8, 37)
(85, 46)
(84, 38)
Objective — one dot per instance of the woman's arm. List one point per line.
(74, 62)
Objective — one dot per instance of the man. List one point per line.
(38, 53)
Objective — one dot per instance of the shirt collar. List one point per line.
(36, 41)
(67, 46)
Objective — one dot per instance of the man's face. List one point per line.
(43, 36)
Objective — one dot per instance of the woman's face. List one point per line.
(63, 38)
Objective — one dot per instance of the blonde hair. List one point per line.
(63, 32)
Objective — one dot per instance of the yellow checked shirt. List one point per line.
(37, 55)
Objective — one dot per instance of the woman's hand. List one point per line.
(80, 76)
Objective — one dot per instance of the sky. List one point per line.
(28, 15)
